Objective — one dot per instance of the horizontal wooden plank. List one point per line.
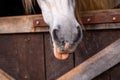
(101, 16)
(106, 26)
(95, 65)
(92, 20)
(22, 24)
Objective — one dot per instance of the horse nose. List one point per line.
(61, 37)
(58, 38)
(79, 34)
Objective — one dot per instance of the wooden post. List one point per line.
(95, 65)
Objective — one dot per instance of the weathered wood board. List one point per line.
(22, 56)
(93, 42)
(30, 56)
(102, 19)
(22, 24)
(95, 65)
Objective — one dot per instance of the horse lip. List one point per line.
(66, 48)
(66, 51)
(59, 55)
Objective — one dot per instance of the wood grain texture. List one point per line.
(106, 26)
(21, 58)
(35, 23)
(104, 76)
(115, 72)
(100, 16)
(95, 65)
(20, 53)
(22, 24)
(93, 42)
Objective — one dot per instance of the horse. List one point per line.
(63, 19)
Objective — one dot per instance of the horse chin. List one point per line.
(60, 54)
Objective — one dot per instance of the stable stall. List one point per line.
(26, 51)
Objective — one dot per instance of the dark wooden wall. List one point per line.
(15, 8)
(30, 56)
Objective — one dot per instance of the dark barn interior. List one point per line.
(15, 7)
(29, 56)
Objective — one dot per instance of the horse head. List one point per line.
(65, 31)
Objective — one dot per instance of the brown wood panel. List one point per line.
(22, 56)
(95, 65)
(100, 16)
(93, 42)
(35, 23)
(115, 72)
(117, 3)
(55, 68)
(22, 24)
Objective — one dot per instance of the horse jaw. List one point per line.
(53, 9)
(59, 15)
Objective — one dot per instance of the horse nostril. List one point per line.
(58, 38)
(79, 34)
(63, 42)
(55, 35)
